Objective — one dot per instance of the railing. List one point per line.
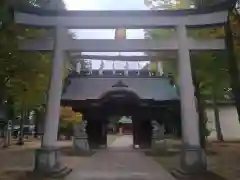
(116, 73)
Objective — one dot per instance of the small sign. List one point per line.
(10, 125)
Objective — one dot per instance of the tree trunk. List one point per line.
(233, 66)
(36, 122)
(21, 135)
(200, 110)
(2, 104)
(216, 117)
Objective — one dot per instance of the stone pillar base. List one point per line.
(47, 163)
(81, 144)
(193, 163)
(158, 145)
(193, 159)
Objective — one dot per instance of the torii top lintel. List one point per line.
(206, 16)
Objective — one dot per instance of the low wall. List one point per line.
(228, 120)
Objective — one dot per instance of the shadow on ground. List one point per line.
(161, 153)
(24, 175)
(222, 160)
(69, 151)
(173, 151)
(19, 175)
(208, 175)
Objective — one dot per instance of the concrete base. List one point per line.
(135, 146)
(81, 144)
(159, 145)
(47, 162)
(183, 175)
(193, 164)
(103, 146)
(145, 146)
(193, 160)
(93, 145)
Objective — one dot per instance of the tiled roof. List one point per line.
(83, 88)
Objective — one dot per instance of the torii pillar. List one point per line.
(47, 159)
(193, 157)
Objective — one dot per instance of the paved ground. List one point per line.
(119, 162)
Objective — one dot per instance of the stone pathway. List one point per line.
(119, 162)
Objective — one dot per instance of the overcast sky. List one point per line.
(108, 33)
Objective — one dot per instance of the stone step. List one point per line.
(59, 173)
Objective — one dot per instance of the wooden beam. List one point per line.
(135, 45)
(106, 19)
(116, 58)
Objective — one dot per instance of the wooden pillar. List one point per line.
(149, 133)
(90, 131)
(145, 133)
(97, 132)
(93, 130)
(103, 141)
(135, 122)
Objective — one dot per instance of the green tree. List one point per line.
(233, 43)
(166, 4)
(24, 76)
(206, 71)
(209, 68)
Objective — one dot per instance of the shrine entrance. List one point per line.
(120, 101)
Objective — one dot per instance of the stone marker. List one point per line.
(80, 139)
(158, 141)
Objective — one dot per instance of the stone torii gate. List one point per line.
(47, 158)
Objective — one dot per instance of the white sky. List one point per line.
(108, 33)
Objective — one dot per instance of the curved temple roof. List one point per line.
(146, 88)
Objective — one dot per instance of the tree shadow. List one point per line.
(160, 153)
(211, 153)
(208, 176)
(69, 151)
(20, 175)
(178, 147)
(211, 176)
